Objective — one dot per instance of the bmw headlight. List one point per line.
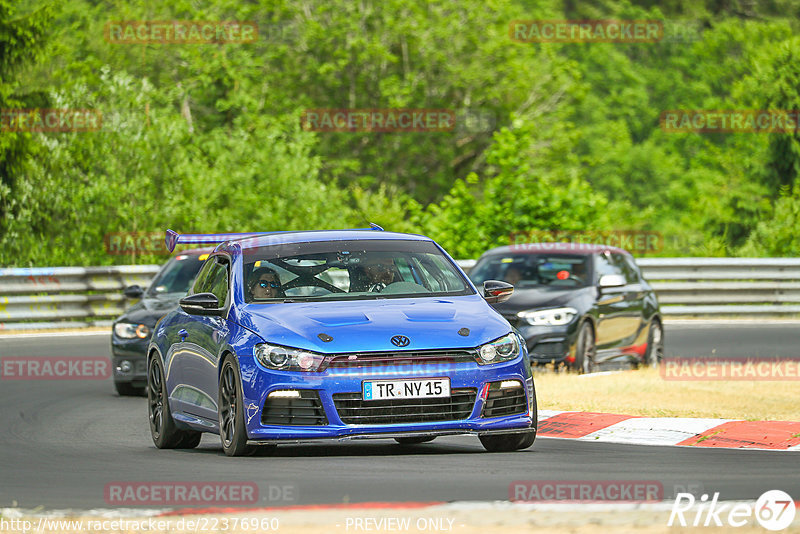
(131, 331)
(551, 317)
(500, 350)
(287, 358)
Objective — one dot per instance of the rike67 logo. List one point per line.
(774, 510)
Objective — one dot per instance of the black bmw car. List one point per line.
(132, 330)
(578, 305)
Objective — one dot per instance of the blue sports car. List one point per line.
(340, 334)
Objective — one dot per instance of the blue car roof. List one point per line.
(281, 238)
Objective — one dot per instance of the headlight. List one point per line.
(552, 317)
(131, 331)
(500, 350)
(287, 358)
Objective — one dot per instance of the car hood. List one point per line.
(150, 309)
(368, 325)
(544, 297)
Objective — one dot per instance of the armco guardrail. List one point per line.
(725, 286)
(60, 297)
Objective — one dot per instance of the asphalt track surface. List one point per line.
(61, 442)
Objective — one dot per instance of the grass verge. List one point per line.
(643, 392)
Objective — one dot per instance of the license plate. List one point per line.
(405, 389)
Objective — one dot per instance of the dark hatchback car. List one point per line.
(132, 330)
(577, 305)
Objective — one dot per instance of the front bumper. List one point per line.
(134, 352)
(550, 344)
(389, 435)
(331, 386)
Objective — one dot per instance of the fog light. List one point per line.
(124, 367)
(506, 384)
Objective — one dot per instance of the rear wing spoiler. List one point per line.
(173, 238)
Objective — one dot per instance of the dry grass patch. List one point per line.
(644, 392)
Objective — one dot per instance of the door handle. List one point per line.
(183, 333)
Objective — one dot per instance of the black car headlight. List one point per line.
(551, 317)
(131, 331)
(500, 350)
(287, 358)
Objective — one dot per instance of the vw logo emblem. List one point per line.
(400, 341)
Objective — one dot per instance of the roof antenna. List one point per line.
(376, 227)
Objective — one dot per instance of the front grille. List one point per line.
(384, 359)
(549, 350)
(292, 411)
(355, 411)
(507, 401)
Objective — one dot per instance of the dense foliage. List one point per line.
(208, 137)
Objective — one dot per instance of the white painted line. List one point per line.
(653, 430)
(546, 414)
(702, 323)
(56, 334)
(603, 373)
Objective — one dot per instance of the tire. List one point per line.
(655, 344)
(232, 430)
(414, 440)
(517, 441)
(585, 350)
(126, 389)
(163, 430)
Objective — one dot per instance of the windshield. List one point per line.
(350, 270)
(177, 275)
(534, 270)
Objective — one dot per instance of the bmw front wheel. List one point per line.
(655, 344)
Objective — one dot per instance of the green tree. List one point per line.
(22, 41)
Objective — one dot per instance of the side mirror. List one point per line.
(611, 280)
(133, 292)
(495, 291)
(201, 304)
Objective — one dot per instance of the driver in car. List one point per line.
(265, 284)
(513, 275)
(379, 272)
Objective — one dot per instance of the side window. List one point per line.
(629, 268)
(605, 265)
(201, 283)
(217, 281)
